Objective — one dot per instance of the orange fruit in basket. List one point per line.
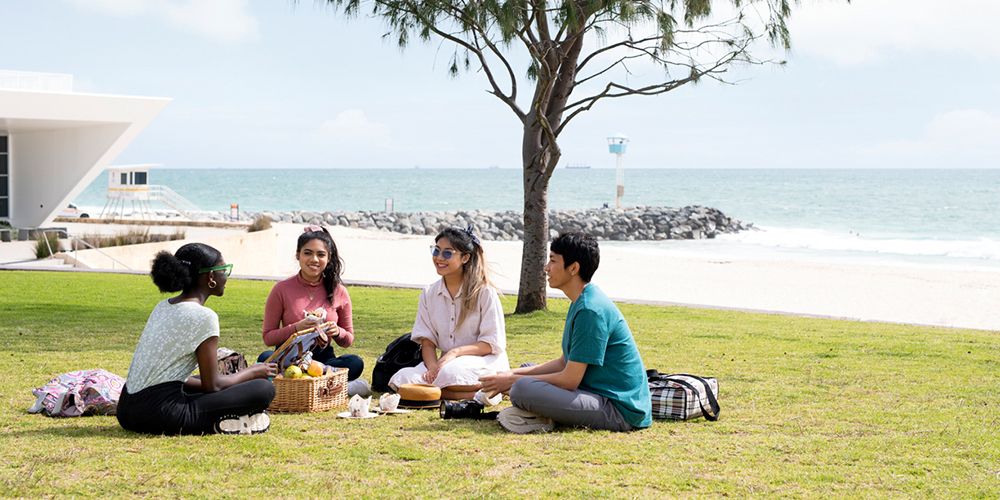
(315, 369)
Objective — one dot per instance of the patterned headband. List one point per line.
(468, 231)
(312, 228)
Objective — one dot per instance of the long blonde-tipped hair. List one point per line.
(475, 273)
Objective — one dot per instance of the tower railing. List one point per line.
(140, 201)
(170, 198)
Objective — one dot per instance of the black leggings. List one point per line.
(167, 409)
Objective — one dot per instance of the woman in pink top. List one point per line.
(312, 296)
(461, 317)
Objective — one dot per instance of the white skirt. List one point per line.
(463, 370)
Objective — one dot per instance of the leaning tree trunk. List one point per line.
(539, 156)
(535, 249)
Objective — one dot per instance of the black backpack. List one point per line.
(400, 353)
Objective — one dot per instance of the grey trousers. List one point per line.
(573, 408)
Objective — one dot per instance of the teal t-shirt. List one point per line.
(596, 334)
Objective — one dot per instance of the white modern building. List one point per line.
(54, 142)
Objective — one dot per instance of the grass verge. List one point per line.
(810, 407)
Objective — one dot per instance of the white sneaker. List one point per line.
(519, 421)
(482, 399)
(245, 424)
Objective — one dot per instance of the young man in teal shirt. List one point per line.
(599, 382)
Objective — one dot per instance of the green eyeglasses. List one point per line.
(228, 268)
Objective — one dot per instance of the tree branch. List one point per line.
(613, 46)
(611, 66)
(430, 25)
(587, 103)
(496, 51)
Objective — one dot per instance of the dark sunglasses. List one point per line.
(446, 254)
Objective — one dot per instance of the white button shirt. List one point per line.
(438, 312)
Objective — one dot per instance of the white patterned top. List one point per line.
(166, 350)
(437, 317)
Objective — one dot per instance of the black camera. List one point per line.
(466, 408)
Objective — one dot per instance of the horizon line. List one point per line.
(952, 169)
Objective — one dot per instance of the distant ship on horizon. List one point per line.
(577, 166)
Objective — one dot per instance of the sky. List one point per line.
(286, 84)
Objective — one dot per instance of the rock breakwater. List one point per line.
(631, 224)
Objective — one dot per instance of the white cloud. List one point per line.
(225, 20)
(120, 8)
(959, 138)
(965, 128)
(353, 128)
(867, 31)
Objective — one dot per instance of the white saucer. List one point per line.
(347, 414)
(397, 411)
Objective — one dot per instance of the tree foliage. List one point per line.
(572, 54)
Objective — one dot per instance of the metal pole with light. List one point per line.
(616, 146)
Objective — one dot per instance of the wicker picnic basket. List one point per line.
(311, 394)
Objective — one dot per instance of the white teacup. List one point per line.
(388, 402)
(359, 406)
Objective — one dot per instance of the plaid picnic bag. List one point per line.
(682, 396)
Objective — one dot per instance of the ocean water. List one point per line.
(921, 217)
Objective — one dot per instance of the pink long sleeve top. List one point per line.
(291, 298)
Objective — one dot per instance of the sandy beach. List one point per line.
(922, 295)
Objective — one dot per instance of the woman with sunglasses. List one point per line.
(459, 324)
(160, 395)
(315, 295)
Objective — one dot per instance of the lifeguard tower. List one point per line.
(129, 185)
(616, 146)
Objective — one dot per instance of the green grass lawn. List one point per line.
(810, 407)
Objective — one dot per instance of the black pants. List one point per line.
(167, 409)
